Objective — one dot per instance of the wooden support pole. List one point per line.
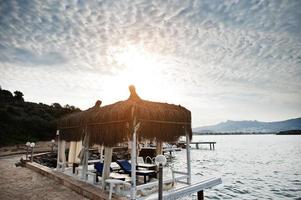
(106, 165)
(27, 150)
(101, 153)
(85, 166)
(85, 154)
(31, 158)
(159, 151)
(133, 164)
(200, 195)
(135, 127)
(188, 158)
(159, 148)
(58, 149)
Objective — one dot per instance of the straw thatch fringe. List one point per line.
(72, 134)
(113, 124)
(72, 126)
(109, 134)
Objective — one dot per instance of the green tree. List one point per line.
(6, 97)
(18, 96)
(56, 105)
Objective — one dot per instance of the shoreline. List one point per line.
(41, 147)
(17, 183)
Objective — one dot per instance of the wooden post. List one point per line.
(133, 164)
(135, 127)
(101, 153)
(188, 158)
(27, 149)
(200, 195)
(31, 158)
(84, 162)
(159, 151)
(86, 146)
(106, 165)
(52, 147)
(58, 149)
(159, 148)
(197, 145)
(85, 166)
(210, 146)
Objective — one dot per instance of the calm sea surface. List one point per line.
(251, 166)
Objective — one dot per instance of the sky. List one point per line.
(238, 60)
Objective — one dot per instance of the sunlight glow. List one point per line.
(135, 65)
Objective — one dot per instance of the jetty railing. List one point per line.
(198, 186)
(197, 144)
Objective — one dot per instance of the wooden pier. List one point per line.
(211, 144)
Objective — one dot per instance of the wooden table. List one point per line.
(146, 165)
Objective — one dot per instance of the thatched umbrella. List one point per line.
(113, 124)
(128, 120)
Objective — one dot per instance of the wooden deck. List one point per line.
(211, 144)
(87, 190)
(198, 186)
(181, 189)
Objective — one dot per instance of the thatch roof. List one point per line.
(112, 124)
(73, 126)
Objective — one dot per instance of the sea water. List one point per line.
(251, 166)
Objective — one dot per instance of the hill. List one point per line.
(22, 121)
(251, 126)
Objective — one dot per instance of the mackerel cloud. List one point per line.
(239, 48)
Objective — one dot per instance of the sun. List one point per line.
(136, 66)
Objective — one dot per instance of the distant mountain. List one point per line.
(250, 126)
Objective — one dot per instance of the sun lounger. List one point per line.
(99, 168)
(127, 167)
